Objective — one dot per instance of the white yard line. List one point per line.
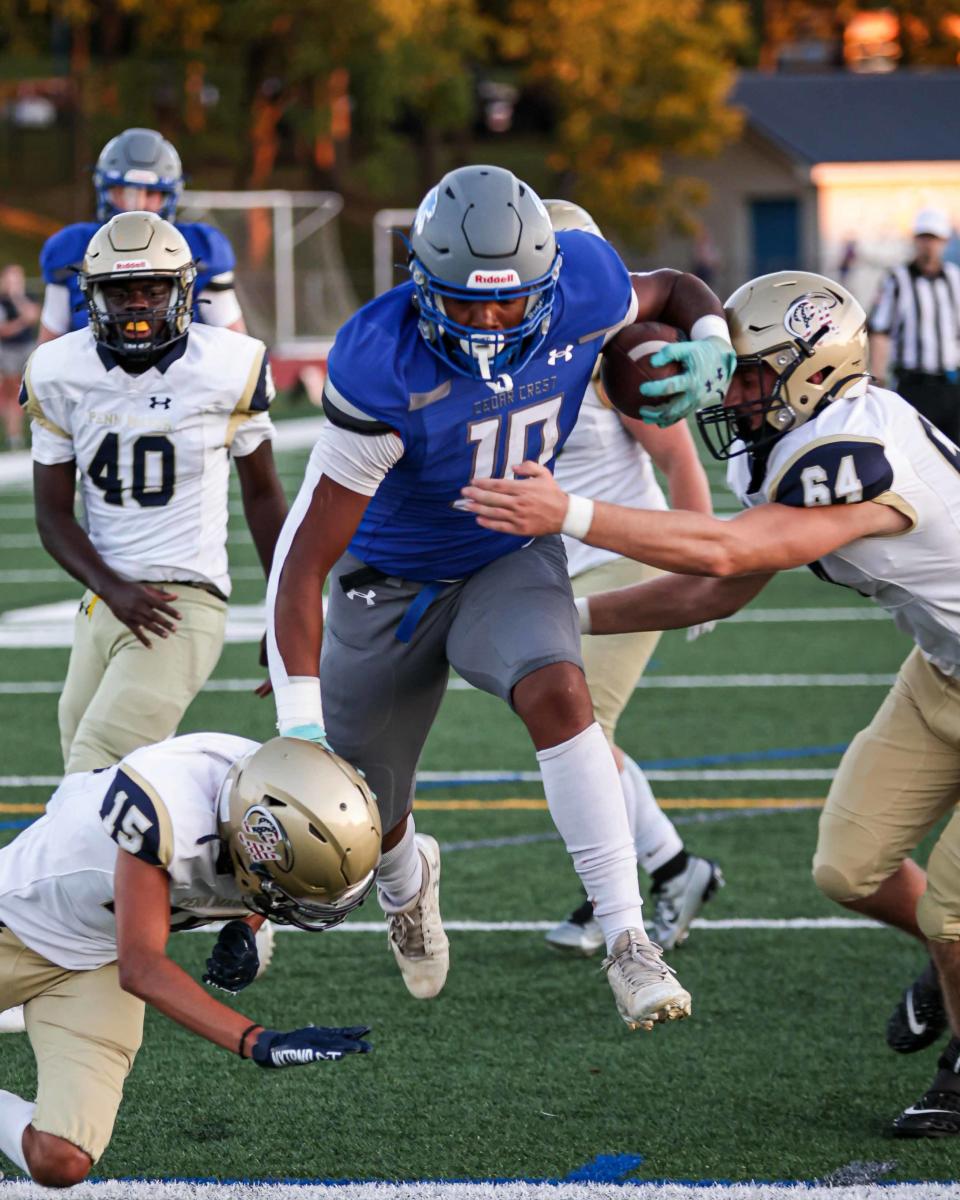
(130, 1189)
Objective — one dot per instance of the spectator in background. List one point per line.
(915, 327)
(19, 315)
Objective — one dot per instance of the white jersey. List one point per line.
(877, 447)
(601, 459)
(160, 804)
(153, 449)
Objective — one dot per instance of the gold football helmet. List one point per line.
(811, 334)
(564, 214)
(137, 278)
(303, 832)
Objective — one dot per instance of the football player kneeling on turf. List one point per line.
(849, 478)
(201, 828)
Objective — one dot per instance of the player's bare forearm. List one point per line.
(772, 537)
(61, 535)
(674, 297)
(159, 982)
(264, 502)
(321, 537)
(675, 456)
(769, 538)
(671, 602)
(142, 906)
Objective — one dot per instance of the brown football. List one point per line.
(625, 364)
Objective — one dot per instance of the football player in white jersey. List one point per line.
(611, 457)
(150, 408)
(848, 478)
(201, 828)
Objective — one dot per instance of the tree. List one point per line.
(632, 84)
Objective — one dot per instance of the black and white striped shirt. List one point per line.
(922, 316)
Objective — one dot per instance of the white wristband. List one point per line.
(298, 702)
(583, 611)
(709, 326)
(579, 518)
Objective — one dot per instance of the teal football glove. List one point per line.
(708, 364)
(309, 733)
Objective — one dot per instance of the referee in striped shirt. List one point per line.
(915, 327)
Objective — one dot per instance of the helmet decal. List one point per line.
(263, 838)
(428, 207)
(809, 314)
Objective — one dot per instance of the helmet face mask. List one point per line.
(303, 833)
(481, 236)
(138, 159)
(137, 278)
(801, 344)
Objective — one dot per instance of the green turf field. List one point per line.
(521, 1068)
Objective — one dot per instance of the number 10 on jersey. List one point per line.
(505, 441)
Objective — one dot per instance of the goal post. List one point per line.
(386, 223)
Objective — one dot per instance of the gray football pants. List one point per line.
(381, 695)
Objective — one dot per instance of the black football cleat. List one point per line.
(920, 1018)
(937, 1113)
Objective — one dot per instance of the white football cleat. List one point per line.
(11, 1020)
(265, 942)
(680, 899)
(644, 987)
(579, 934)
(415, 933)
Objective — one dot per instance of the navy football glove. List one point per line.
(234, 963)
(313, 1044)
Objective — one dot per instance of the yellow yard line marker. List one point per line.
(22, 808)
(520, 804)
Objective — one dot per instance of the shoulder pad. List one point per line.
(63, 251)
(136, 820)
(211, 249)
(368, 363)
(594, 286)
(838, 470)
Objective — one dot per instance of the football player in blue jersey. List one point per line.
(138, 170)
(846, 477)
(478, 362)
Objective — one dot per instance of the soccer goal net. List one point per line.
(291, 278)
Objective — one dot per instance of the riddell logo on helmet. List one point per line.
(131, 264)
(483, 279)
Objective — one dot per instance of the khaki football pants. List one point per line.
(85, 1032)
(614, 662)
(120, 694)
(898, 778)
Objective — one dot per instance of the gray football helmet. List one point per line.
(482, 234)
(138, 158)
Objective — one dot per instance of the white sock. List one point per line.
(585, 799)
(15, 1116)
(401, 872)
(654, 834)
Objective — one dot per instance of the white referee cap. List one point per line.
(932, 221)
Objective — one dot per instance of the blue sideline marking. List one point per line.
(605, 1168)
(702, 760)
(19, 823)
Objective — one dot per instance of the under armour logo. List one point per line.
(160, 401)
(563, 354)
(370, 596)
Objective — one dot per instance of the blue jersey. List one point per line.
(63, 253)
(454, 428)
